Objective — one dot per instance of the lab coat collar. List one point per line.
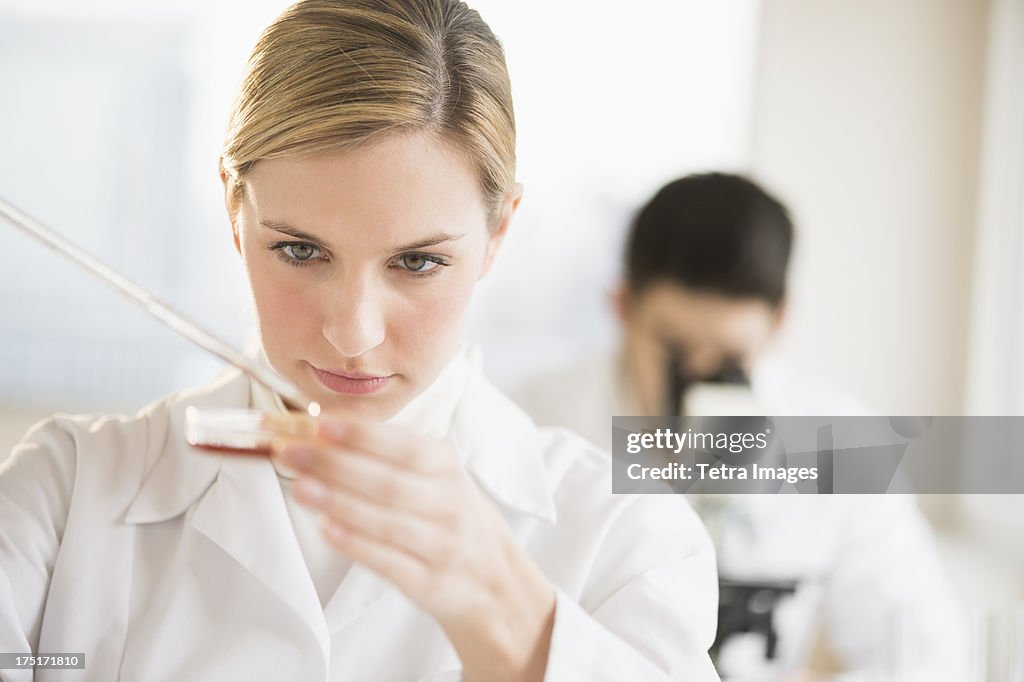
(502, 447)
(179, 474)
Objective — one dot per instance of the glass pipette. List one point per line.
(161, 311)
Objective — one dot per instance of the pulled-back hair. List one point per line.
(330, 75)
(714, 232)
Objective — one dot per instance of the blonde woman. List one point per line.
(427, 530)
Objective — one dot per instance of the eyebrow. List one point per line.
(432, 240)
(291, 231)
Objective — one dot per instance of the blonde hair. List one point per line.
(329, 75)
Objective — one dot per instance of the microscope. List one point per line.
(725, 392)
(747, 606)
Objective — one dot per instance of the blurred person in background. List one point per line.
(848, 579)
(369, 179)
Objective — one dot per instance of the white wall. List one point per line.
(867, 120)
(611, 103)
(995, 369)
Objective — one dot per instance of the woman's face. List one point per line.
(362, 264)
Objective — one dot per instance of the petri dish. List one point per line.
(229, 431)
(234, 431)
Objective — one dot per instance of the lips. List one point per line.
(351, 383)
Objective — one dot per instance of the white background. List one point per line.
(120, 113)
(892, 129)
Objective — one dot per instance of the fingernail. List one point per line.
(310, 491)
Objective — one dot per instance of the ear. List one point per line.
(621, 301)
(778, 319)
(229, 204)
(779, 316)
(508, 209)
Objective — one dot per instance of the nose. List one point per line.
(703, 362)
(354, 321)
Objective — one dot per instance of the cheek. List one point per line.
(284, 305)
(652, 363)
(647, 359)
(430, 321)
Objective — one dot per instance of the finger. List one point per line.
(391, 443)
(295, 424)
(402, 570)
(380, 482)
(401, 530)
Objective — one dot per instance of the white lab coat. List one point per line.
(160, 563)
(867, 564)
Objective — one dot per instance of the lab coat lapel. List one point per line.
(177, 474)
(244, 513)
(501, 447)
(360, 590)
(238, 503)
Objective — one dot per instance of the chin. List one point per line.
(359, 408)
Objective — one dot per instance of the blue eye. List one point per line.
(415, 262)
(299, 254)
(301, 251)
(420, 264)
